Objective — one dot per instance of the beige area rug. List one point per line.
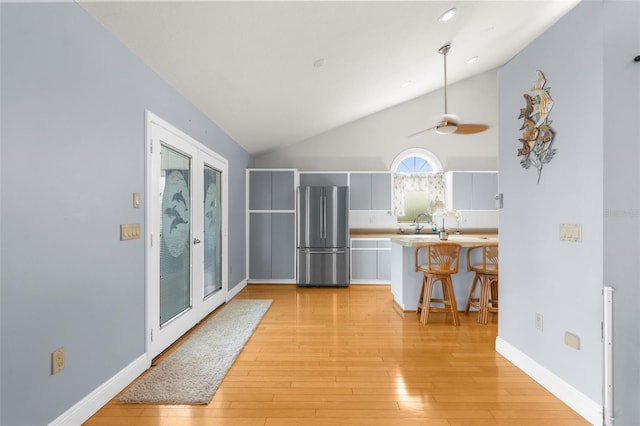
(192, 373)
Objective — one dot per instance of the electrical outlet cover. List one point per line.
(57, 361)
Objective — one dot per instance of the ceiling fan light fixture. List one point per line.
(446, 127)
(446, 16)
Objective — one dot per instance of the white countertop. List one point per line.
(465, 240)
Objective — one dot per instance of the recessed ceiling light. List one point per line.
(472, 60)
(447, 15)
(406, 83)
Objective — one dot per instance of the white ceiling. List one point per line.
(249, 66)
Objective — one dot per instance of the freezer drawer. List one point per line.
(323, 267)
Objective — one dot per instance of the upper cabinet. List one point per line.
(272, 189)
(370, 190)
(471, 190)
(324, 179)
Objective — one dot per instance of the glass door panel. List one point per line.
(175, 232)
(212, 231)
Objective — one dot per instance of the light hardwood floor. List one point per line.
(347, 356)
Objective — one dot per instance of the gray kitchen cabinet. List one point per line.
(272, 225)
(371, 260)
(363, 265)
(383, 260)
(272, 246)
(370, 191)
(360, 191)
(260, 245)
(485, 188)
(472, 190)
(271, 189)
(324, 179)
(283, 193)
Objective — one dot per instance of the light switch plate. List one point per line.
(539, 322)
(572, 340)
(571, 232)
(130, 231)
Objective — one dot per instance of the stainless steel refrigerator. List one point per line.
(323, 236)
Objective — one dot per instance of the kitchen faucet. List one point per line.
(417, 220)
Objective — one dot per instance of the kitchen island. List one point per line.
(406, 282)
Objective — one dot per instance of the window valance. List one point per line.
(431, 183)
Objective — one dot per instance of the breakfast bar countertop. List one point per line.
(467, 238)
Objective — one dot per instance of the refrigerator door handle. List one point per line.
(322, 251)
(321, 216)
(324, 217)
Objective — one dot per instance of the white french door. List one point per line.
(187, 239)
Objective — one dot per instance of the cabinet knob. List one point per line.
(196, 241)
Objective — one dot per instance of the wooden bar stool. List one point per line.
(487, 275)
(442, 261)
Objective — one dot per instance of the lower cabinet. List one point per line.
(371, 260)
(272, 246)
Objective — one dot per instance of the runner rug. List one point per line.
(192, 373)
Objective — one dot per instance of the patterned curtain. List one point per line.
(431, 183)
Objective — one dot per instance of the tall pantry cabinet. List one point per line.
(271, 225)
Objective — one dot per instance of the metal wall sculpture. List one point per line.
(537, 135)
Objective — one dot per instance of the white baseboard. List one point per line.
(235, 290)
(579, 402)
(97, 399)
(272, 281)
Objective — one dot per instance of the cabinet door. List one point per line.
(259, 190)
(384, 265)
(380, 191)
(282, 190)
(462, 187)
(485, 188)
(323, 179)
(282, 245)
(360, 191)
(260, 245)
(363, 264)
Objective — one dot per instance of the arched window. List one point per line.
(414, 164)
(416, 160)
(418, 182)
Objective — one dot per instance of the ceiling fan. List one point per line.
(449, 123)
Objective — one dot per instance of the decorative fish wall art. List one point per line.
(537, 135)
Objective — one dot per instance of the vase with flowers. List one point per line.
(437, 209)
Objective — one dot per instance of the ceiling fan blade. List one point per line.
(468, 129)
(420, 132)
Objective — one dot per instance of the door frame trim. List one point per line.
(152, 119)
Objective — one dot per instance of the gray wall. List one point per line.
(538, 272)
(587, 59)
(72, 137)
(621, 198)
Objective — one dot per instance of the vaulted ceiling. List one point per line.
(272, 73)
